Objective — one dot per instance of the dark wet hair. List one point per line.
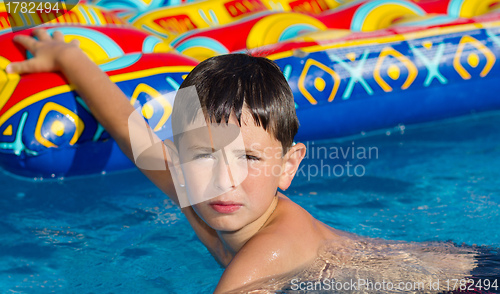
(226, 84)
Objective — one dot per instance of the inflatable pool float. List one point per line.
(423, 66)
(172, 21)
(253, 32)
(419, 63)
(169, 22)
(74, 14)
(179, 11)
(364, 81)
(357, 16)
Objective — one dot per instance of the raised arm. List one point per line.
(105, 100)
(109, 106)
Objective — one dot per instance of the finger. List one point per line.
(26, 41)
(58, 36)
(41, 34)
(14, 67)
(21, 67)
(75, 42)
(10, 69)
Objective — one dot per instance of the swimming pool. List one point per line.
(117, 233)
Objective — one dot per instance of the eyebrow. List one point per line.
(212, 150)
(201, 148)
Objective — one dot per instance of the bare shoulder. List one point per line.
(288, 242)
(261, 257)
(298, 224)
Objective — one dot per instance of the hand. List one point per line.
(46, 50)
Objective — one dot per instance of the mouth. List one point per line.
(225, 206)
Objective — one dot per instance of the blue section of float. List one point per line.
(361, 104)
(420, 106)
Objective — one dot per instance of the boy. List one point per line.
(228, 159)
(248, 226)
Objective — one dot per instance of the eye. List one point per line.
(203, 156)
(251, 157)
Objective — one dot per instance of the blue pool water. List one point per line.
(117, 233)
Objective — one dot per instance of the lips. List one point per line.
(225, 207)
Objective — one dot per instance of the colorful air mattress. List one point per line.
(353, 67)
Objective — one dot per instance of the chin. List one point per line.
(226, 225)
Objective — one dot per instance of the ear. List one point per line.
(291, 164)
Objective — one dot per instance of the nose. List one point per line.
(223, 178)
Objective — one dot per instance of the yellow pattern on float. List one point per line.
(490, 57)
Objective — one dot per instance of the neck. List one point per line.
(233, 241)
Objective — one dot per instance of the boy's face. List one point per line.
(234, 185)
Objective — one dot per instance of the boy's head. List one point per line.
(234, 122)
(229, 84)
